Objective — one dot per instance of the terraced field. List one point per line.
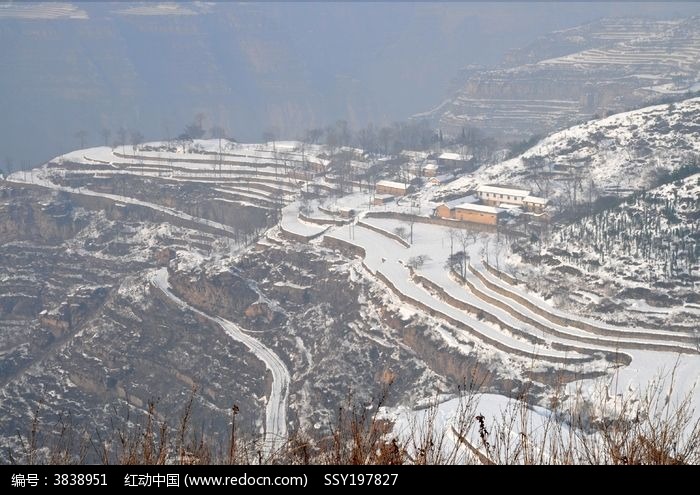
(296, 291)
(571, 75)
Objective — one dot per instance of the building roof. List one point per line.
(460, 201)
(359, 164)
(480, 208)
(507, 206)
(536, 200)
(512, 210)
(451, 156)
(392, 184)
(419, 155)
(503, 190)
(443, 178)
(431, 166)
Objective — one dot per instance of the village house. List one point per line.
(467, 209)
(382, 199)
(392, 188)
(359, 167)
(535, 204)
(497, 195)
(470, 212)
(441, 179)
(430, 170)
(446, 209)
(319, 165)
(455, 161)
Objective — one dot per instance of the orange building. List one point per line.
(391, 187)
(446, 209)
(443, 211)
(466, 210)
(470, 212)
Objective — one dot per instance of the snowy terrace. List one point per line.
(498, 317)
(480, 312)
(265, 176)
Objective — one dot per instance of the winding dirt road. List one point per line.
(276, 409)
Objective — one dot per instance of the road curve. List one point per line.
(276, 409)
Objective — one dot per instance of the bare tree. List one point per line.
(343, 132)
(538, 173)
(199, 119)
(401, 231)
(466, 238)
(136, 139)
(219, 133)
(457, 262)
(453, 233)
(183, 140)
(404, 166)
(106, 134)
(384, 137)
(312, 136)
(341, 166)
(367, 138)
(121, 133)
(271, 136)
(81, 135)
(332, 140)
(416, 262)
(194, 131)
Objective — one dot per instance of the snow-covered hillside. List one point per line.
(316, 283)
(616, 155)
(652, 237)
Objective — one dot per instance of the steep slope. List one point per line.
(636, 261)
(115, 284)
(651, 238)
(616, 155)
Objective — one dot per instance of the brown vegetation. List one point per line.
(648, 429)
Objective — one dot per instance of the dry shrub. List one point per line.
(647, 428)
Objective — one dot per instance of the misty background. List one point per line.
(73, 74)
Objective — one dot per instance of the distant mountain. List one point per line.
(571, 75)
(249, 67)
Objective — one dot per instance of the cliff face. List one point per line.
(248, 67)
(50, 220)
(83, 330)
(571, 75)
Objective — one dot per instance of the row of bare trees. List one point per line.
(193, 130)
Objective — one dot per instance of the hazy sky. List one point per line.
(250, 67)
